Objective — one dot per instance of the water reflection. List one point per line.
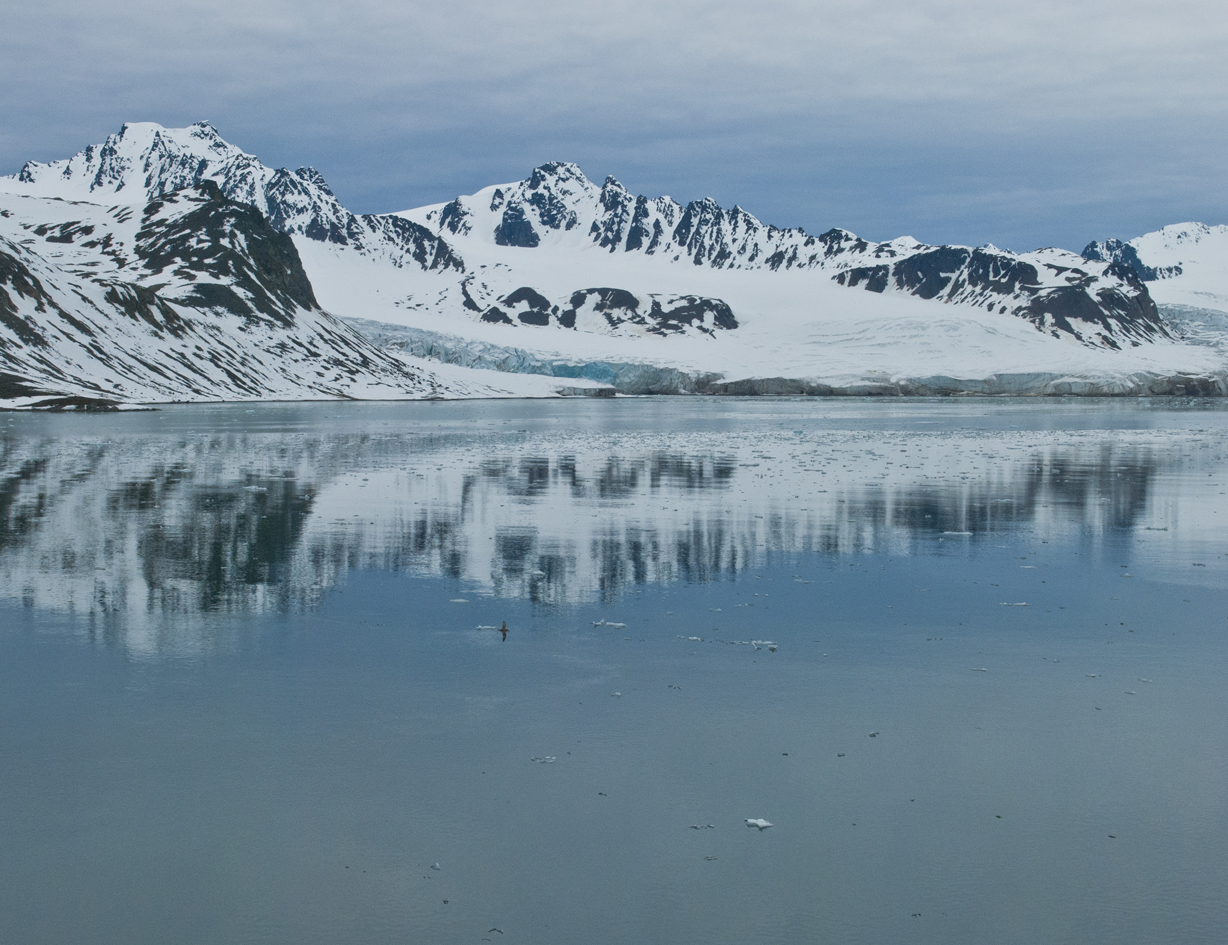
(131, 530)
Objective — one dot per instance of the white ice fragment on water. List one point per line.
(458, 600)
(617, 695)
(758, 822)
(436, 866)
(543, 760)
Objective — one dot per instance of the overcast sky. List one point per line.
(969, 121)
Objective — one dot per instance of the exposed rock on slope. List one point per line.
(194, 296)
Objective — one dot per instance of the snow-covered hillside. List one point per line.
(190, 296)
(1183, 264)
(559, 208)
(557, 275)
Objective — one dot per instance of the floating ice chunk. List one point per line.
(458, 600)
(758, 822)
(617, 695)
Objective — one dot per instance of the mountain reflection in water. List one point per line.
(131, 530)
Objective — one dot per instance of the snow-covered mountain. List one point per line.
(145, 160)
(1183, 264)
(557, 275)
(190, 296)
(1058, 292)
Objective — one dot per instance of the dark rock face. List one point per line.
(414, 241)
(663, 316)
(16, 278)
(515, 229)
(1126, 256)
(872, 278)
(658, 315)
(258, 268)
(1081, 306)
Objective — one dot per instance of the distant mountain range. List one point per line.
(167, 264)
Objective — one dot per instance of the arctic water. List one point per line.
(965, 656)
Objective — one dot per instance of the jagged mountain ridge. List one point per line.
(144, 160)
(193, 296)
(1057, 291)
(1185, 266)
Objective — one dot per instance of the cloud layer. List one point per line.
(955, 121)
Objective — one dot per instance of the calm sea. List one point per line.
(965, 656)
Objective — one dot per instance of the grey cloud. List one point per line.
(953, 120)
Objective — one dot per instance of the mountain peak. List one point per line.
(556, 171)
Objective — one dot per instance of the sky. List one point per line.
(953, 121)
